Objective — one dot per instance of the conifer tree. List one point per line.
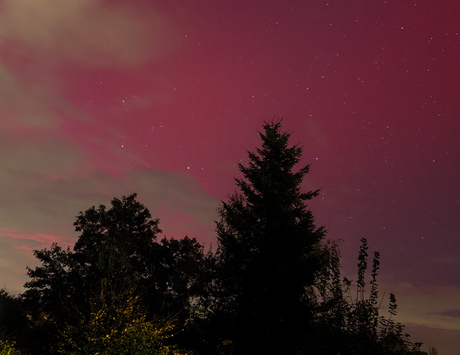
(267, 250)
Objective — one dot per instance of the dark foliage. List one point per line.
(272, 287)
(350, 323)
(266, 251)
(13, 321)
(116, 251)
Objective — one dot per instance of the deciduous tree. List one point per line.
(117, 324)
(117, 251)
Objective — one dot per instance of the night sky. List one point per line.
(100, 99)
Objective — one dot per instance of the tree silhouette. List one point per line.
(116, 245)
(267, 243)
(350, 322)
(273, 286)
(117, 251)
(13, 323)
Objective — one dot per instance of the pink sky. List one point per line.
(100, 99)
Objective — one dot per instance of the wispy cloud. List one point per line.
(93, 33)
(433, 306)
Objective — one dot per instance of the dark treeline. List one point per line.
(272, 286)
